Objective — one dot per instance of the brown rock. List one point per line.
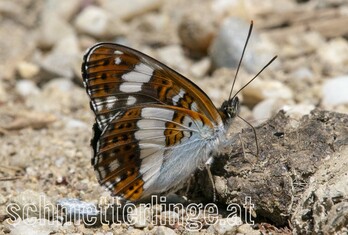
(292, 155)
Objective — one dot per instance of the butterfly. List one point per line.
(154, 127)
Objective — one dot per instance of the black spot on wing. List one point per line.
(94, 141)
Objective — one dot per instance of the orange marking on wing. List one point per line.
(173, 132)
(129, 173)
(119, 138)
(135, 190)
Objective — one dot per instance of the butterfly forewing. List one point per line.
(117, 76)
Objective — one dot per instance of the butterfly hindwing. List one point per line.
(131, 152)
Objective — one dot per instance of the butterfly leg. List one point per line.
(188, 185)
(241, 141)
(207, 166)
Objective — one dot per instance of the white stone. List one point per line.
(97, 22)
(301, 74)
(227, 47)
(78, 209)
(247, 229)
(92, 20)
(201, 68)
(40, 205)
(65, 9)
(34, 226)
(267, 108)
(61, 59)
(53, 29)
(335, 52)
(58, 96)
(157, 209)
(335, 91)
(74, 123)
(169, 217)
(174, 57)
(298, 110)
(226, 225)
(140, 216)
(27, 88)
(126, 10)
(60, 84)
(220, 185)
(162, 230)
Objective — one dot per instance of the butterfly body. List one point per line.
(154, 127)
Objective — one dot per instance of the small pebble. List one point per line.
(27, 70)
(225, 225)
(35, 226)
(140, 217)
(334, 91)
(60, 61)
(247, 229)
(260, 90)
(74, 123)
(126, 10)
(27, 88)
(42, 206)
(169, 217)
(227, 47)
(267, 108)
(53, 29)
(162, 230)
(174, 57)
(335, 52)
(200, 68)
(298, 110)
(76, 209)
(97, 22)
(302, 74)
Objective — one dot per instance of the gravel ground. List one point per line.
(45, 120)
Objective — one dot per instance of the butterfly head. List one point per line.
(230, 108)
(228, 111)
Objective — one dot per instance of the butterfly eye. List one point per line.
(231, 107)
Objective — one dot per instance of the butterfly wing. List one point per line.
(150, 149)
(152, 122)
(116, 76)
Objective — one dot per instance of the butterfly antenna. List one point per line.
(253, 128)
(270, 62)
(257, 145)
(241, 58)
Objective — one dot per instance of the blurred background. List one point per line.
(42, 44)
(45, 121)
